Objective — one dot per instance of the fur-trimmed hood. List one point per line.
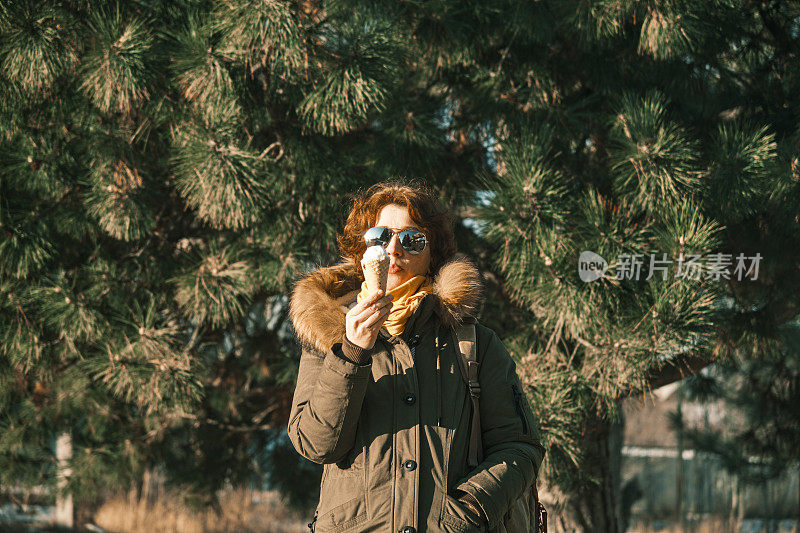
(321, 299)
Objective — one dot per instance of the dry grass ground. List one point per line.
(706, 526)
(242, 511)
(719, 525)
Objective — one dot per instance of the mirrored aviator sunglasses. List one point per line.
(413, 241)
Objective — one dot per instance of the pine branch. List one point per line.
(688, 364)
(678, 368)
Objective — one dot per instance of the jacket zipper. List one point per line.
(518, 399)
(438, 380)
(412, 343)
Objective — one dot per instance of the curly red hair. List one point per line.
(423, 207)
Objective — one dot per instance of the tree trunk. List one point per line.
(593, 507)
(64, 514)
(679, 475)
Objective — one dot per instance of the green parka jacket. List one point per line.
(393, 433)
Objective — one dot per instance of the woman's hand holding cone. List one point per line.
(364, 320)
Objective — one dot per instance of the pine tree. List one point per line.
(164, 172)
(168, 169)
(640, 128)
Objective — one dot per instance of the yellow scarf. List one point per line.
(407, 296)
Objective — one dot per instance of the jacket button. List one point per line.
(409, 398)
(410, 465)
(408, 529)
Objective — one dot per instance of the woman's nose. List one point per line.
(394, 248)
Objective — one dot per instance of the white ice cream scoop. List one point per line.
(376, 253)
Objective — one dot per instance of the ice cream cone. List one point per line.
(376, 274)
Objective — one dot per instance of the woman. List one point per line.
(380, 400)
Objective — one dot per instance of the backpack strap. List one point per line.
(468, 363)
(469, 366)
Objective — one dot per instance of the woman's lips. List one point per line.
(393, 269)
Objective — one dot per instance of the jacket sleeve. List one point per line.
(327, 403)
(512, 449)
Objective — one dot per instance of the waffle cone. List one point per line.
(376, 274)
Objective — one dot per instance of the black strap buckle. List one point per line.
(542, 512)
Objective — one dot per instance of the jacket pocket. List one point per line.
(456, 518)
(342, 502)
(342, 518)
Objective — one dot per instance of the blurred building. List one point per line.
(654, 482)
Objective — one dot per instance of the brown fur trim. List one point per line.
(319, 300)
(314, 310)
(459, 285)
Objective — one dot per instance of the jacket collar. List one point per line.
(321, 298)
